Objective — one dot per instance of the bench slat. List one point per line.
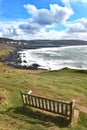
(51, 105)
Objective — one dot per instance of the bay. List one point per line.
(55, 58)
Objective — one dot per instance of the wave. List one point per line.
(56, 58)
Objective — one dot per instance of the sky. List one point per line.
(43, 19)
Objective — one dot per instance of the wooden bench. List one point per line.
(55, 106)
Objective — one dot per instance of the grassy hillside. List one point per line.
(64, 85)
(4, 49)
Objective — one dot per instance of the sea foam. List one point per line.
(56, 58)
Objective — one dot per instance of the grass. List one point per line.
(66, 84)
(5, 49)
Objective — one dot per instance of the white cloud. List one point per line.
(0, 34)
(56, 14)
(83, 21)
(74, 30)
(61, 14)
(30, 27)
(11, 28)
(13, 31)
(31, 9)
(78, 26)
(68, 3)
(42, 19)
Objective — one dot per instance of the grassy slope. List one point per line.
(4, 49)
(65, 84)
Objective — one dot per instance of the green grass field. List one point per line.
(5, 49)
(66, 84)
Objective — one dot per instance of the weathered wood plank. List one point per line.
(55, 106)
(28, 99)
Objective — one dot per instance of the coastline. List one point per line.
(13, 60)
(55, 58)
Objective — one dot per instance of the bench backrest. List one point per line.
(47, 104)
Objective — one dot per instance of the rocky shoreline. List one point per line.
(13, 60)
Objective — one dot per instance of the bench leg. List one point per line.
(74, 119)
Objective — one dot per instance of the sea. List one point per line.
(56, 58)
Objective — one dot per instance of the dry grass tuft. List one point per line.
(3, 98)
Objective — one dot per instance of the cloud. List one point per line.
(31, 9)
(43, 22)
(68, 3)
(0, 34)
(83, 21)
(56, 14)
(78, 26)
(10, 28)
(11, 32)
(74, 30)
(41, 18)
(20, 30)
(30, 27)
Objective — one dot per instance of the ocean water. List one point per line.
(56, 58)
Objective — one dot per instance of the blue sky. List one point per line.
(43, 19)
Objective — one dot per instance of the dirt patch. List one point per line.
(81, 108)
